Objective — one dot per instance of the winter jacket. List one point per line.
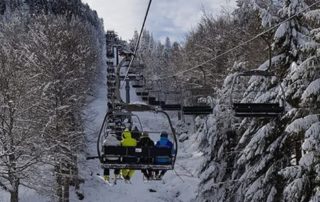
(136, 134)
(127, 140)
(164, 142)
(145, 142)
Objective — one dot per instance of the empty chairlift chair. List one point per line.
(171, 98)
(138, 84)
(143, 93)
(245, 108)
(199, 109)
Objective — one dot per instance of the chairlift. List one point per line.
(169, 105)
(148, 95)
(138, 83)
(142, 93)
(198, 108)
(106, 151)
(111, 77)
(254, 109)
(156, 103)
(132, 77)
(111, 90)
(111, 70)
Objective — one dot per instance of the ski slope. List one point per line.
(178, 185)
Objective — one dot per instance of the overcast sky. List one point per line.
(173, 18)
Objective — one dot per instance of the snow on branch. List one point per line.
(313, 90)
(302, 124)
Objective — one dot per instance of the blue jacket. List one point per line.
(164, 142)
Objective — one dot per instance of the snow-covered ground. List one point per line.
(178, 185)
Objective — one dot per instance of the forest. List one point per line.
(253, 159)
(52, 51)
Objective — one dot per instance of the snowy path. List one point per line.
(172, 188)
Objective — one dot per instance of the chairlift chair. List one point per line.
(111, 70)
(254, 109)
(196, 108)
(106, 151)
(169, 106)
(132, 77)
(142, 93)
(138, 84)
(111, 77)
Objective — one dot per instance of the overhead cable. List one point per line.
(138, 42)
(238, 46)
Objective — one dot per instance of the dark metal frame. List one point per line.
(136, 108)
(257, 109)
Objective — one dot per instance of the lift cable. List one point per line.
(138, 42)
(238, 46)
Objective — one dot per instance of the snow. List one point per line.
(313, 15)
(291, 172)
(172, 188)
(293, 190)
(281, 31)
(312, 90)
(301, 124)
(25, 195)
(178, 185)
(312, 138)
(256, 146)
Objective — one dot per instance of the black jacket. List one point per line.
(136, 134)
(145, 142)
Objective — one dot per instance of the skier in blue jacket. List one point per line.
(164, 142)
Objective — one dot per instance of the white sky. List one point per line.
(173, 18)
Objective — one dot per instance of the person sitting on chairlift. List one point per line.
(106, 172)
(128, 141)
(145, 141)
(164, 142)
(136, 134)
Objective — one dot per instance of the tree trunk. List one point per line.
(14, 195)
(66, 189)
(58, 183)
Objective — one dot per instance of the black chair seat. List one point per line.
(152, 99)
(145, 152)
(132, 77)
(257, 109)
(137, 86)
(142, 93)
(136, 166)
(135, 157)
(155, 102)
(197, 110)
(172, 107)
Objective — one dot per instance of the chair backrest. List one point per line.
(146, 152)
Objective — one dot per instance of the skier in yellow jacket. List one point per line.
(128, 141)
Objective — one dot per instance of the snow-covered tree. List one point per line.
(21, 140)
(47, 65)
(274, 159)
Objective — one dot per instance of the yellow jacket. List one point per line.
(127, 140)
